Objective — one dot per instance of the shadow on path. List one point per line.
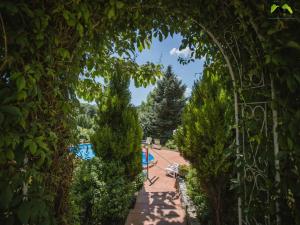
(158, 202)
(157, 208)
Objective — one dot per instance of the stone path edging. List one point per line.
(187, 203)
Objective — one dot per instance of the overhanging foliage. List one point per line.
(46, 45)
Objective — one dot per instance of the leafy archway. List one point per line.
(45, 46)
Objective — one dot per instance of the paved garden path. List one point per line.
(159, 203)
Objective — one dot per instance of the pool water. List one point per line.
(144, 160)
(85, 151)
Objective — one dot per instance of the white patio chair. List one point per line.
(172, 170)
(157, 144)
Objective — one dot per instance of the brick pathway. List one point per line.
(159, 203)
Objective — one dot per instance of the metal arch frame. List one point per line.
(254, 164)
(263, 106)
(236, 105)
(255, 168)
(248, 84)
(276, 151)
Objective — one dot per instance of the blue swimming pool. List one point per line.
(144, 160)
(85, 151)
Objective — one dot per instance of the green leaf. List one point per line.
(40, 141)
(288, 8)
(43, 145)
(160, 36)
(23, 212)
(20, 83)
(80, 29)
(22, 95)
(120, 4)
(27, 142)
(111, 13)
(148, 43)
(69, 17)
(293, 44)
(10, 155)
(12, 110)
(42, 159)
(140, 46)
(66, 14)
(32, 148)
(153, 80)
(86, 14)
(274, 7)
(65, 54)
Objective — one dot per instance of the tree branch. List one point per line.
(5, 43)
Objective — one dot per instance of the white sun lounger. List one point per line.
(172, 170)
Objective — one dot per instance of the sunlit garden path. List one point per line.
(159, 203)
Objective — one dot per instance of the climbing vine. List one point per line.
(51, 51)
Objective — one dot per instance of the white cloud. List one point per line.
(186, 52)
(188, 92)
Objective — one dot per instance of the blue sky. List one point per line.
(166, 53)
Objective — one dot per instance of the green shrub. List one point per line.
(118, 134)
(171, 144)
(183, 170)
(198, 197)
(100, 194)
(178, 137)
(205, 139)
(103, 189)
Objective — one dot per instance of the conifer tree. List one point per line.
(104, 187)
(118, 134)
(205, 139)
(169, 101)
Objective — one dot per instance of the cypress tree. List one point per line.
(206, 138)
(104, 187)
(118, 134)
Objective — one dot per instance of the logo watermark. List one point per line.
(282, 10)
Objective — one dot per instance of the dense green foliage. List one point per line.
(199, 198)
(118, 134)
(171, 144)
(147, 115)
(100, 193)
(46, 45)
(44, 48)
(169, 101)
(161, 114)
(85, 121)
(103, 188)
(207, 139)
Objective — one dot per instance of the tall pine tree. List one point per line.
(168, 104)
